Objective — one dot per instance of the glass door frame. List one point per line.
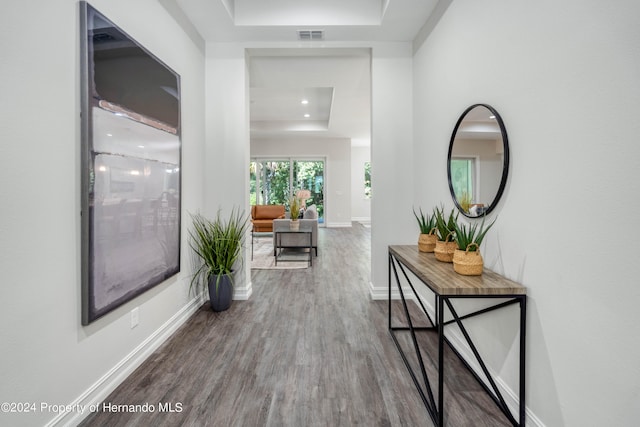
(291, 160)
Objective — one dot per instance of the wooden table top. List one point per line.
(442, 280)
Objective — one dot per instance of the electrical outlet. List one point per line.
(135, 317)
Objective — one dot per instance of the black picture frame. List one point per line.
(130, 167)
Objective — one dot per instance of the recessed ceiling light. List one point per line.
(492, 117)
(140, 146)
(304, 101)
(109, 134)
(307, 115)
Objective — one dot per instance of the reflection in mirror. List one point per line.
(478, 160)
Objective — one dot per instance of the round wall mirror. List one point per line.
(478, 160)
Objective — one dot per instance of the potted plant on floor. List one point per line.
(428, 238)
(217, 245)
(446, 245)
(467, 259)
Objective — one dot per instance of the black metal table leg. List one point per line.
(428, 398)
(523, 327)
(440, 361)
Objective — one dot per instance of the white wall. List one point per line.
(47, 356)
(227, 144)
(564, 77)
(392, 220)
(337, 152)
(360, 205)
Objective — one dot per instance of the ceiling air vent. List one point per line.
(310, 35)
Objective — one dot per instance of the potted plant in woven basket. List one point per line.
(467, 259)
(446, 245)
(428, 237)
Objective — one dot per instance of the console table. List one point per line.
(448, 286)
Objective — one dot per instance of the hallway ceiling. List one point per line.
(336, 82)
(279, 20)
(336, 86)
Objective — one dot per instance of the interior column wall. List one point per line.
(227, 141)
(392, 220)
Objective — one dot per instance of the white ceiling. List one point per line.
(278, 20)
(336, 82)
(479, 123)
(337, 86)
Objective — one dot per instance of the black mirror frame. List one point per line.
(505, 164)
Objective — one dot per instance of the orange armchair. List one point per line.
(262, 216)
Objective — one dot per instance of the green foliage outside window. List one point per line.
(367, 180)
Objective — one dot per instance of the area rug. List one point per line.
(263, 258)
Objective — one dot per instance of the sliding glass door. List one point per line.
(309, 175)
(269, 181)
(275, 181)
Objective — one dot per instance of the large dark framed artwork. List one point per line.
(131, 167)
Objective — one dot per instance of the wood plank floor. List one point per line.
(310, 348)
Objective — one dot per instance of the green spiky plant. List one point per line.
(446, 227)
(294, 208)
(217, 245)
(471, 235)
(425, 222)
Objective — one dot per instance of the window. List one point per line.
(462, 179)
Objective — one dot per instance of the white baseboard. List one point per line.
(361, 219)
(99, 391)
(382, 292)
(339, 224)
(242, 293)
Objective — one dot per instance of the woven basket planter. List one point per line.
(468, 263)
(444, 249)
(427, 242)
